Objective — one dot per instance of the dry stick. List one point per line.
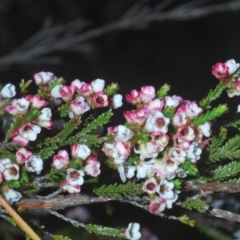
(212, 187)
(21, 223)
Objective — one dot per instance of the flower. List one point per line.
(126, 171)
(8, 91)
(117, 101)
(11, 171)
(70, 188)
(18, 106)
(67, 92)
(80, 151)
(165, 189)
(223, 70)
(61, 159)
(55, 92)
(43, 77)
(12, 195)
(29, 131)
(132, 232)
(44, 119)
(36, 101)
(98, 85)
(100, 99)
(75, 177)
(79, 106)
(34, 164)
(123, 133)
(150, 186)
(147, 93)
(92, 166)
(205, 129)
(23, 155)
(158, 205)
(157, 123)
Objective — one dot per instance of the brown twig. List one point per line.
(21, 223)
(212, 187)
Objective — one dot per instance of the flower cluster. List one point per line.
(158, 143)
(31, 113)
(75, 177)
(225, 72)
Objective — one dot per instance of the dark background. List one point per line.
(178, 51)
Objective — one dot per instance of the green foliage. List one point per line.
(60, 237)
(212, 232)
(12, 221)
(190, 167)
(64, 109)
(112, 89)
(13, 183)
(216, 142)
(56, 175)
(17, 122)
(132, 160)
(210, 115)
(97, 122)
(230, 150)
(76, 163)
(100, 230)
(195, 204)
(222, 172)
(234, 124)
(177, 184)
(119, 190)
(186, 220)
(213, 95)
(162, 92)
(232, 180)
(169, 112)
(23, 86)
(18, 183)
(6, 103)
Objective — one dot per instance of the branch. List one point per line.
(73, 37)
(212, 187)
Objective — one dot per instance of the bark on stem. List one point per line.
(21, 223)
(60, 202)
(212, 187)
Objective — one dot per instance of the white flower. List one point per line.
(165, 189)
(43, 77)
(232, 66)
(150, 186)
(157, 123)
(8, 91)
(55, 92)
(98, 85)
(12, 195)
(75, 177)
(173, 199)
(30, 131)
(171, 101)
(132, 232)
(11, 171)
(34, 164)
(80, 151)
(117, 101)
(143, 167)
(126, 171)
(123, 133)
(238, 108)
(45, 114)
(205, 129)
(194, 152)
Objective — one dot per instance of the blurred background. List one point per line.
(133, 43)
